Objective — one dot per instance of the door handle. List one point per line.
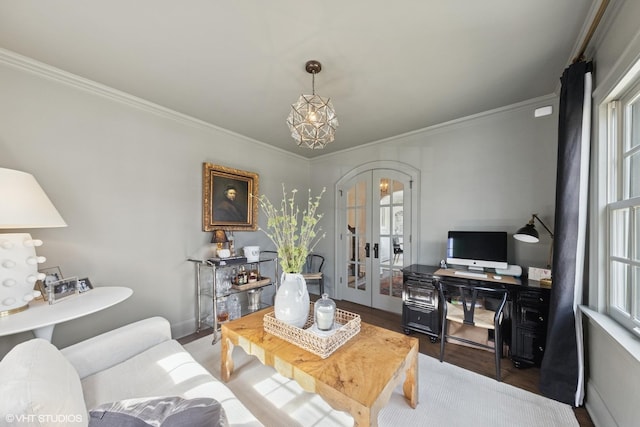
(367, 249)
(375, 250)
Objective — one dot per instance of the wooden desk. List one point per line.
(358, 378)
(491, 277)
(41, 317)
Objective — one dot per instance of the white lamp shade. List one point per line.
(24, 204)
(528, 233)
(526, 238)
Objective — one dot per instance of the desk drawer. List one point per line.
(421, 319)
(420, 293)
(530, 345)
(533, 317)
(533, 298)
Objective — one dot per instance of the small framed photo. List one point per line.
(52, 274)
(84, 285)
(62, 289)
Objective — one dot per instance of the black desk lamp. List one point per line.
(529, 234)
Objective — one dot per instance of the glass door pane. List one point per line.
(384, 236)
(356, 210)
(389, 259)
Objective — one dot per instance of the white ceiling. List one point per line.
(389, 67)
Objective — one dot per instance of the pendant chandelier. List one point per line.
(312, 120)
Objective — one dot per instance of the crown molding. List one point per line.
(57, 75)
(451, 124)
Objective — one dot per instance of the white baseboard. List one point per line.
(597, 409)
(184, 328)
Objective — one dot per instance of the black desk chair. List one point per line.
(312, 270)
(463, 304)
(397, 250)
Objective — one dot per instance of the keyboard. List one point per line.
(470, 274)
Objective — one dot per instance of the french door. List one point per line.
(375, 236)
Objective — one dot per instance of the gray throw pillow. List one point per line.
(159, 412)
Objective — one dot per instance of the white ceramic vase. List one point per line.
(292, 300)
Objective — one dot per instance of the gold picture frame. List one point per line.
(226, 198)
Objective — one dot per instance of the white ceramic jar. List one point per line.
(292, 300)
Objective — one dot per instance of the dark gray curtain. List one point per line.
(562, 369)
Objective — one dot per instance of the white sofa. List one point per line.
(41, 385)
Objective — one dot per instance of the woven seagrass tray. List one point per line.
(322, 346)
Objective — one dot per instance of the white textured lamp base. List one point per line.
(18, 271)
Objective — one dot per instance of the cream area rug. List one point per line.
(449, 397)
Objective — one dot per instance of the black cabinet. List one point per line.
(420, 306)
(530, 312)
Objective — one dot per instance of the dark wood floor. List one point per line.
(479, 361)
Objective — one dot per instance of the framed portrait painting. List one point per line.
(226, 198)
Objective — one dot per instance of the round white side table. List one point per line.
(41, 317)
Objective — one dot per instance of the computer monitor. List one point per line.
(477, 249)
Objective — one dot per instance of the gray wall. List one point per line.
(126, 177)
(487, 172)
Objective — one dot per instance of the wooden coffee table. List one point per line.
(358, 378)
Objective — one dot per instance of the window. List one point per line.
(623, 205)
